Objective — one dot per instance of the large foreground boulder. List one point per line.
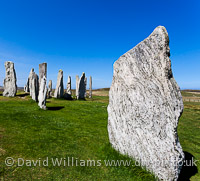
(10, 81)
(145, 104)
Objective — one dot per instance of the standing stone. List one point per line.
(42, 71)
(69, 91)
(26, 89)
(34, 85)
(59, 87)
(10, 81)
(43, 93)
(145, 104)
(27, 86)
(90, 88)
(49, 94)
(77, 83)
(85, 87)
(81, 87)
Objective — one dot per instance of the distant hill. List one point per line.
(102, 89)
(190, 90)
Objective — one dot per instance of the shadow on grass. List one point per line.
(81, 99)
(55, 108)
(189, 168)
(22, 95)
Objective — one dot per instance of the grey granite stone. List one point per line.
(81, 87)
(59, 91)
(145, 104)
(90, 87)
(43, 93)
(49, 93)
(10, 81)
(77, 84)
(42, 71)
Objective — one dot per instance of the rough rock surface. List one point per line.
(85, 87)
(34, 85)
(90, 87)
(77, 84)
(81, 87)
(42, 71)
(49, 93)
(10, 81)
(69, 91)
(27, 86)
(59, 86)
(145, 104)
(43, 93)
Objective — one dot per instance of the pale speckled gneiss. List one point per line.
(59, 91)
(43, 93)
(33, 85)
(82, 87)
(10, 81)
(145, 104)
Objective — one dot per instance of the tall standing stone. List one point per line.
(10, 81)
(69, 91)
(49, 94)
(77, 83)
(27, 86)
(42, 71)
(90, 87)
(43, 93)
(81, 87)
(85, 87)
(145, 104)
(34, 85)
(59, 86)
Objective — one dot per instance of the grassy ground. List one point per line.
(75, 129)
(189, 132)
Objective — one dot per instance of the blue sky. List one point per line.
(89, 36)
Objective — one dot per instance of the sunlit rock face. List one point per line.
(43, 93)
(145, 104)
(42, 71)
(49, 90)
(59, 91)
(34, 85)
(10, 81)
(68, 94)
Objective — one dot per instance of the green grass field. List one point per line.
(75, 129)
